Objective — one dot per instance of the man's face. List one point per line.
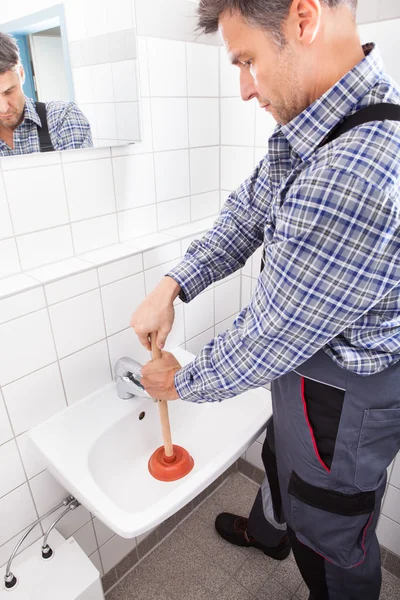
(12, 99)
(267, 72)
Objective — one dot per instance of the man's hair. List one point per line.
(265, 14)
(9, 53)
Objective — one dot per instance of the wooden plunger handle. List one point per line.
(163, 406)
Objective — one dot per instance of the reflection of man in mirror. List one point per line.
(27, 126)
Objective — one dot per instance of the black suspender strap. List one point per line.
(376, 112)
(43, 131)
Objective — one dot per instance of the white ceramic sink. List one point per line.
(98, 449)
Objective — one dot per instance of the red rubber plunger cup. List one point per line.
(169, 462)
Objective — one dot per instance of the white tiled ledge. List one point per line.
(28, 280)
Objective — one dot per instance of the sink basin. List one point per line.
(98, 449)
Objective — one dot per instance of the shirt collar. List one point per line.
(30, 113)
(306, 131)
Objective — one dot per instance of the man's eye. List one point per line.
(247, 63)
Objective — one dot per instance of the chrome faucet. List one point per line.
(128, 376)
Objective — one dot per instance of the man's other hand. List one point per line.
(156, 313)
(158, 377)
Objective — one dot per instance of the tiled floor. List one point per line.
(194, 563)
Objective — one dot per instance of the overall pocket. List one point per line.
(378, 444)
(331, 523)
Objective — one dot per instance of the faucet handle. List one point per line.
(125, 366)
(128, 375)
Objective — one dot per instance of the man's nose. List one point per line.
(247, 86)
(3, 106)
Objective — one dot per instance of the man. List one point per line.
(26, 126)
(324, 322)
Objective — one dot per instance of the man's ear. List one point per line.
(306, 17)
(21, 73)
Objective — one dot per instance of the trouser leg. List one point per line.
(265, 519)
(327, 581)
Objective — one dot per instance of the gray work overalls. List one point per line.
(326, 476)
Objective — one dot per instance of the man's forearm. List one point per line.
(170, 287)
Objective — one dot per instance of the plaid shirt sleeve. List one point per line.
(236, 234)
(335, 254)
(68, 126)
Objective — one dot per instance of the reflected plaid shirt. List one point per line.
(329, 219)
(68, 128)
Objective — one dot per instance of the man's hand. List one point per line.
(158, 377)
(156, 313)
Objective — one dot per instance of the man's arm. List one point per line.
(73, 128)
(336, 255)
(225, 248)
(235, 235)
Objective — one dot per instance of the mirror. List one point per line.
(86, 85)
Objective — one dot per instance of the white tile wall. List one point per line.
(90, 189)
(17, 512)
(127, 116)
(229, 76)
(170, 133)
(385, 35)
(11, 471)
(95, 233)
(120, 299)
(172, 174)
(26, 345)
(125, 81)
(6, 432)
(203, 122)
(120, 269)
(242, 115)
(42, 247)
(202, 70)
(388, 533)
(227, 299)
(85, 371)
(69, 287)
(204, 205)
(137, 221)
(9, 258)
(173, 213)
(236, 165)
(34, 398)
(204, 169)
(197, 343)
(77, 323)
(199, 314)
(134, 181)
(167, 67)
(6, 228)
(32, 460)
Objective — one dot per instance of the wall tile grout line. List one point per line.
(188, 122)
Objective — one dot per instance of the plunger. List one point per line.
(169, 462)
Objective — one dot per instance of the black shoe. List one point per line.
(233, 529)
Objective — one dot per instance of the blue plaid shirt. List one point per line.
(68, 129)
(329, 219)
